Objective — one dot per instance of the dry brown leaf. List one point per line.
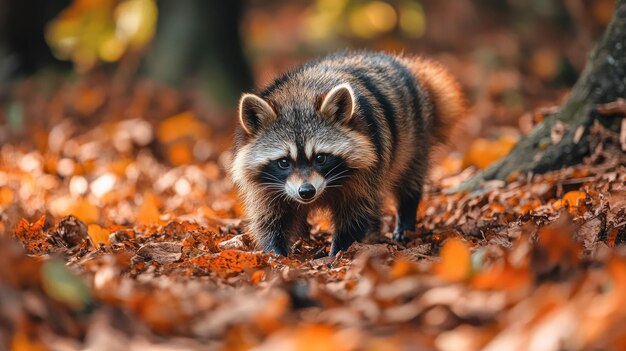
(162, 253)
(71, 230)
(238, 242)
(556, 252)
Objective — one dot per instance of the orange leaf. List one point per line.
(317, 337)
(179, 153)
(502, 276)
(179, 126)
(6, 196)
(257, 277)
(616, 267)
(118, 167)
(402, 267)
(455, 264)
(230, 261)
(21, 341)
(88, 99)
(556, 246)
(529, 206)
(497, 207)
(483, 152)
(148, 213)
(574, 198)
(451, 165)
(33, 236)
(545, 63)
(98, 235)
(85, 211)
(575, 202)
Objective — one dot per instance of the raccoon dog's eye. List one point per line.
(284, 163)
(320, 159)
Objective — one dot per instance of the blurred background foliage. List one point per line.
(512, 56)
(92, 31)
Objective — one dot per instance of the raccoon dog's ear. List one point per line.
(254, 112)
(339, 103)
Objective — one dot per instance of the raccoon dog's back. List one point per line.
(375, 115)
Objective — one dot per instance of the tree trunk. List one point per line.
(23, 48)
(199, 40)
(603, 80)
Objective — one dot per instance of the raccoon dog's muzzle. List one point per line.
(305, 189)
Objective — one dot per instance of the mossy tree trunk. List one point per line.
(602, 81)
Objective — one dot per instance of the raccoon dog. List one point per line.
(340, 133)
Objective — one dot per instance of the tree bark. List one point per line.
(602, 81)
(200, 39)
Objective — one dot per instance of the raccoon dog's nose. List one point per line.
(306, 191)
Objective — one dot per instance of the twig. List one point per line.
(577, 180)
(618, 107)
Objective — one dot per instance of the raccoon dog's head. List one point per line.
(301, 147)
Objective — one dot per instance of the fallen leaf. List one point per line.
(483, 152)
(85, 211)
(574, 198)
(230, 261)
(98, 235)
(589, 232)
(556, 253)
(22, 341)
(148, 213)
(6, 196)
(502, 276)
(402, 267)
(162, 253)
(455, 264)
(63, 285)
(179, 126)
(71, 230)
(179, 153)
(238, 242)
(32, 235)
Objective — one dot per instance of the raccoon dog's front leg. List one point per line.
(406, 216)
(353, 220)
(274, 229)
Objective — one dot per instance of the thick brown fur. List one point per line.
(444, 91)
(373, 117)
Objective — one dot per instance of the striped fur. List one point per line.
(356, 126)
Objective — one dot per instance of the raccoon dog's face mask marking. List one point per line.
(302, 150)
(304, 179)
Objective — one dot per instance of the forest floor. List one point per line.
(120, 233)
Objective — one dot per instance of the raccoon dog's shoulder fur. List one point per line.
(340, 133)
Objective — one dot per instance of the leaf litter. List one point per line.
(120, 232)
